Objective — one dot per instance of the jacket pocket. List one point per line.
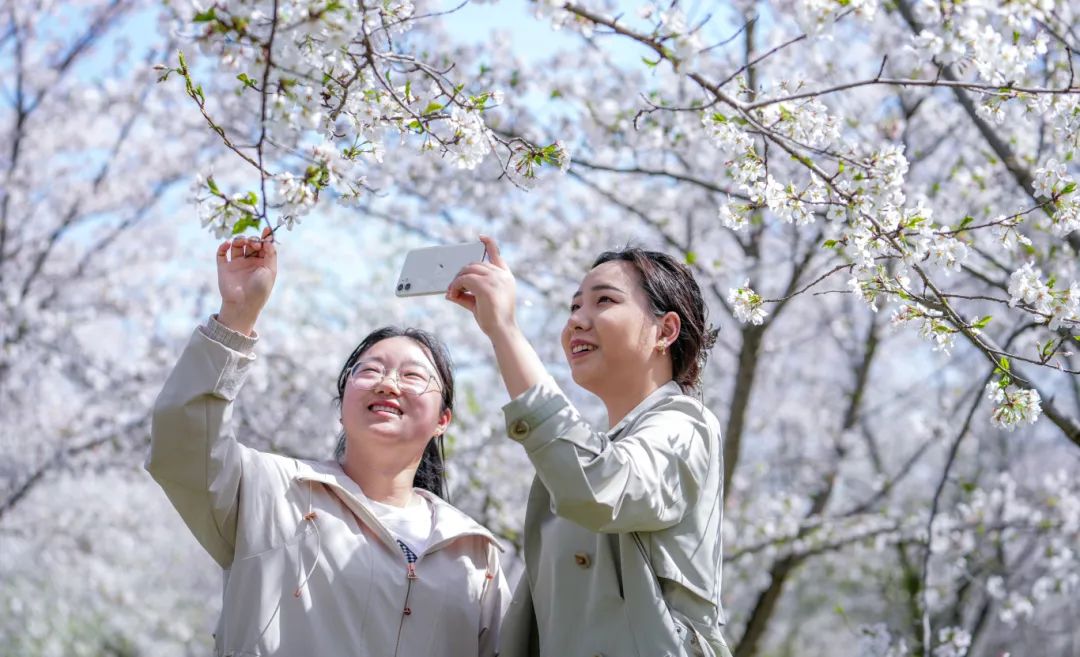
(694, 644)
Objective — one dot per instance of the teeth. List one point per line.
(582, 347)
(381, 407)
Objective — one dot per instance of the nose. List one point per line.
(385, 387)
(577, 321)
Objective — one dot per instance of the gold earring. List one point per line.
(663, 348)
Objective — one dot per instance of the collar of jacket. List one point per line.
(449, 523)
(669, 389)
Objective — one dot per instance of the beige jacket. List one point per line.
(309, 570)
(622, 532)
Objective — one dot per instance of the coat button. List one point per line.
(519, 429)
(582, 559)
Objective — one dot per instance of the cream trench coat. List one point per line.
(309, 570)
(622, 531)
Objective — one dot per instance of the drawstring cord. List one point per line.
(309, 516)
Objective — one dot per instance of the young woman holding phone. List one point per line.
(622, 531)
(356, 556)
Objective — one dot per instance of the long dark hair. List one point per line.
(431, 474)
(671, 287)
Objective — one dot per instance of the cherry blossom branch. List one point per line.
(195, 92)
(1020, 174)
(674, 175)
(989, 89)
(263, 93)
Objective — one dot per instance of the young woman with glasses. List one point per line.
(354, 556)
(622, 531)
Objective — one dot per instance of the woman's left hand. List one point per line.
(487, 290)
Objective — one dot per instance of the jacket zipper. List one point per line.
(410, 575)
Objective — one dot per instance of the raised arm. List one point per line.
(192, 455)
(644, 481)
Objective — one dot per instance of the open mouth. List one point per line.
(386, 409)
(579, 349)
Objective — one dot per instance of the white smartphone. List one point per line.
(429, 270)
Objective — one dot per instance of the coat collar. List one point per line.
(669, 389)
(449, 524)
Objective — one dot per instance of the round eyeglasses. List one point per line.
(411, 379)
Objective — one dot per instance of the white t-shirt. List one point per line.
(410, 524)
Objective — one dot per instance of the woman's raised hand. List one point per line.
(487, 290)
(246, 270)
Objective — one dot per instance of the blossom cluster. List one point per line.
(747, 305)
(1053, 183)
(1013, 405)
(932, 326)
(1026, 286)
(1001, 40)
(819, 16)
(331, 87)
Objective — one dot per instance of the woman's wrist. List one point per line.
(518, 363)
(237, 319)
(505, 332)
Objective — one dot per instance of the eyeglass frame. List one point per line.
(396, 372)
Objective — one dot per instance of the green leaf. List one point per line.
(966, 222)
(432, 108)
(829, 244)
(650, 63)
(1069, 189)
(213, 186)
(1004, 364)
(251, 199)
(691, 257)
(982, 322)
(248, 82)
(245, 223)
(205, 16)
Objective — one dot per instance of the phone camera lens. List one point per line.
(408, 286)
(400, 287)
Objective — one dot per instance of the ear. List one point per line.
(669, 325)
(444, 421)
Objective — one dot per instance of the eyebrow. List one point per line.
(597, 288)
(380, 361)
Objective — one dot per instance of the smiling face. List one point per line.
(381, 412)
(611, 336)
